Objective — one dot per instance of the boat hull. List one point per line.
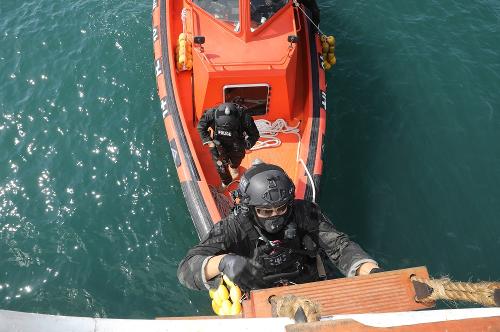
(301, 157)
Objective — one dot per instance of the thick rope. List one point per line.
(296, 4)
(183, 19)
(269, 131)
(290, 305)
(484, 293)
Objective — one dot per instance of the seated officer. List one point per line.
(233, 131)
(262, 10)
(270, 239)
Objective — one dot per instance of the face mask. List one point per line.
(273, 224)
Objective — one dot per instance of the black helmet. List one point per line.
(267, 186)
(227, 109)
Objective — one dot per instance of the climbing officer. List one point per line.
(233, 131)
(271, 239)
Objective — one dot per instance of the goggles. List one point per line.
(270, 212)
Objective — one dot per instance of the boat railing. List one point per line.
(269, 131)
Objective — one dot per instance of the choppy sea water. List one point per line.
(92, 218)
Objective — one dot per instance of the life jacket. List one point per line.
(228, 126)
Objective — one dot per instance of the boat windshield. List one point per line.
(224, 10)
(262, 10)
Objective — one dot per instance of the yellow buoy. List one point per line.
(215, 307)
(218, 299)
(225, 308)
(331, 49)
(235, 308)
(228, 281)
(326, 65)
(331, 58)
(182, 58)
(323, 38)
(222, 292)
(326, 47)
(235, 294)
(330, 40)
(184, 53)
(224, 301)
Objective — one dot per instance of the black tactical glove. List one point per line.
(245, 273)
(248, 144)
(376, 270)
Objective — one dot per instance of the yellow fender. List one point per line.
(328, 51)
(184, 53)
(226, 302)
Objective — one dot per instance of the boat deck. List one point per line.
(285, 156)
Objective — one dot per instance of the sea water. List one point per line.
(92, 218)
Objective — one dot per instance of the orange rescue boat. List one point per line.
(267, 58)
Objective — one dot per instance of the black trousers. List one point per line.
(230, 157)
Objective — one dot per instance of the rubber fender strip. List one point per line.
(191, 190)
(170, 99)
(313, 140)
(175, 153)
(197, 208)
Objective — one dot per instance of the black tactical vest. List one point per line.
(286, 261)
(227, 127)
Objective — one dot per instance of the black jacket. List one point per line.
(248, 127)
(237, 234)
